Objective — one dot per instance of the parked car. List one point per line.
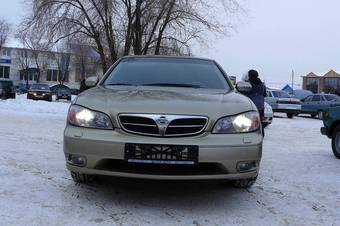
(301, 94)
(268, 115)
(331, 128)
(23, 88)
(280, 101)
(63, 93)
(39, 92)
(316, 104)
(7, 89)
(172, 118)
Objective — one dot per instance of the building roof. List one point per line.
(331, 74)
(311, 74)
(287, 88)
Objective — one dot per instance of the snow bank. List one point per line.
(22, 105)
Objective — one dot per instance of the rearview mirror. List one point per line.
(91, 81)
(243, 87)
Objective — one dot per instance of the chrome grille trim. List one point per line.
(163, 122)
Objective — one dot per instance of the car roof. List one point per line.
(166, 57)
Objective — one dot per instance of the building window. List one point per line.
(312, 84)
(4, 71)
(31, 72)
(331, 83)
(52, 75)
(6, 52)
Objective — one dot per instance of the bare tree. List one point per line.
(24, 61)
(123, 27)
(35, 39)
(4, 32)
(62, 58)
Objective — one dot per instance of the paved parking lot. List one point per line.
(298, 184)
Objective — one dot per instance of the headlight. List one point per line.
(242, 123)
(80, 116)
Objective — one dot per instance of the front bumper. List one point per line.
(104, 152)
(46, 97)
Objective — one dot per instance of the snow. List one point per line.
(299, 181)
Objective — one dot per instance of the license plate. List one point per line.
(161, 154)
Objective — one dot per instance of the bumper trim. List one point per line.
(233, 176)
(324, 131)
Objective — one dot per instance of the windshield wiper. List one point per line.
(173, 85)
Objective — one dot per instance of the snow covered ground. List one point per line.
(299, 182)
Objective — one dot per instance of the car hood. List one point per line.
(181, 101)
(40, 90)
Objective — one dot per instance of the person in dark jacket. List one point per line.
(83, 86)
(258, 92)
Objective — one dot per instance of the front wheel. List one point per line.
(336, 142)
(290, 115)
(244, 183)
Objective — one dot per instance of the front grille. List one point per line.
(138, 124)
(122, 166)
(163, 125)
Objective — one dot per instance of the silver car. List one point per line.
(281, 102)
(165, 118)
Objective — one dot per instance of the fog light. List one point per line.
(76, 160)
(246, 166)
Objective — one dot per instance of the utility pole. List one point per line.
(293, 81)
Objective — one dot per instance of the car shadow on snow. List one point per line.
(154, 193)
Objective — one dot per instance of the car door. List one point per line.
(315, 104)
(306, 105)
(270, 99)
(324, 104)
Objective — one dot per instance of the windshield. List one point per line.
(64, 91)
(40, 86)
(192, 73)
(6, 84)
(280, 94)
(332, 98)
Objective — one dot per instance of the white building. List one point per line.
(14, 62)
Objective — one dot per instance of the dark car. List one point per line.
(39, 92)
(63, 93)
(7, 89)
(316, 104)
(331, 121)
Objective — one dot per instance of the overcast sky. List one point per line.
(275, 37)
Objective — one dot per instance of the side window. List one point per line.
(316, 98)
(308, 99)
(323, 98)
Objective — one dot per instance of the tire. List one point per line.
(244, 183)
(290, 115)
(320, 115)
(81, 178)
(336, 142)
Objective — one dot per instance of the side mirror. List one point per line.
(243, 87)
(91, 81)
